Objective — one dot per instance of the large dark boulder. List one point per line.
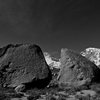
(76, 70)
(23, 64)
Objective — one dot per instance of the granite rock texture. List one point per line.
(23, 64)
(76, 70)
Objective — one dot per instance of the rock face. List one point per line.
(23, 64)
(76, 70)
(93, 54)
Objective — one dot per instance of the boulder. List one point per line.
(23, 64)
(76, 70)
(86, 93)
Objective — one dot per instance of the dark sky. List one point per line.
(52, 24)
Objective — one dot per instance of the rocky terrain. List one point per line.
(26, 73)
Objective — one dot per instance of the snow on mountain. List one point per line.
(93, 54)
(51, 61)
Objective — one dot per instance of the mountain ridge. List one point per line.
(52, 61)
(93, 54)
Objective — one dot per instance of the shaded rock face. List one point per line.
(76, 70)
(23, 64)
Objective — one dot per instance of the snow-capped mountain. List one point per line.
(51, 61)
(93, 54)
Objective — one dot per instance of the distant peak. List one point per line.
(93, 54)
(51, 61)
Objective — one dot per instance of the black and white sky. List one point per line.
(52, 24)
